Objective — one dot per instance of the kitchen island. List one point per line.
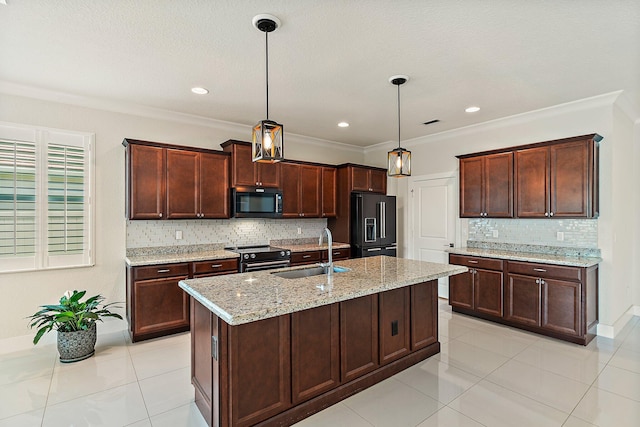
(268, 350)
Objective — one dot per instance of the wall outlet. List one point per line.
(299, 230)
(560, 236)
(178, 234)
(495, 233)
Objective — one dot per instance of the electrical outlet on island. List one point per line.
(178, 234)
(299, 230)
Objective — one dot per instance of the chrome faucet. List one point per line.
(330, 250)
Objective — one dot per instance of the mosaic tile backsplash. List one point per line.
(576, 233)
(229, 232)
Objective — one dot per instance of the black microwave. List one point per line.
(256, 202)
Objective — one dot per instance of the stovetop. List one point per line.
(254, 249)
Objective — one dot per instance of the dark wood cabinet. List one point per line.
(554, 300)
(358, 337)
(145, 180)
(245, 172)
(196, 185)
(337, 254)
(306, 257)
(557, 181)
(368, 179)
(315, 352)
(481, 288)
(156, 305)
(328, 198)
(486, 186)
(301, 190)
(394, 327)
(424, 315)
(171, 182)
(214, 267)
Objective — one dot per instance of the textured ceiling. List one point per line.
(330, 61)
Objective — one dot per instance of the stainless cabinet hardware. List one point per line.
(306, 256)
(540, 269)
(551, 214)
(472, 261)
(546, 214)
(214, 347)
(216, 265)
(160, 215)
(166, 270)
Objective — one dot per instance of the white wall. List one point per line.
(618, 280)
(23, 292)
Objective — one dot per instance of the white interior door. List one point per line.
(433, 216)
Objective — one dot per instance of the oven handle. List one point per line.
(265, 265)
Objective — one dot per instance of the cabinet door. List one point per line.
(424, 314)
(523, 300)
(532, 181)
(159, 305)
(471, 189)
(359, 179)
(309, 184)
(378, 181)
(571, 180)
(183, 178)
(394, 325)
(242, 167)
(329, 192)
(358, 336)
(461, 290)
(315, 357)
(487, 289)
(260, 370)
(290, 190)
(204, 367)
(268, 174)
(146, 182)
(498, 185)
(561, 306)
(214, 186)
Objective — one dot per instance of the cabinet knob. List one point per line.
(551, 214)
(546, 214)
(160, 215)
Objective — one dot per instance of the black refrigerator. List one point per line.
(373, 225)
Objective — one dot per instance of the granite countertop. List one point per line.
(304, 247)
(172, 254)
(543, 258)
(247, 297)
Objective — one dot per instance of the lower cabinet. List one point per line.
(280, 370)
(314, 257)
(554, 300)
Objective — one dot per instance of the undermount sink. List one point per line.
(308, 272)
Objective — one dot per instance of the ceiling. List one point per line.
(329, 61)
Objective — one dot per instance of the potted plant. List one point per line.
(75, 322)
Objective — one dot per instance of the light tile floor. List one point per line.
(486, 375)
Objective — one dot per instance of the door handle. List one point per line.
(448, 245)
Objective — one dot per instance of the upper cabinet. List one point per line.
(171, 182)
(553, 179)
(301, 190)
(368, 179)
(486, 186)
(245, 172)
(558, 181)
(329, 207)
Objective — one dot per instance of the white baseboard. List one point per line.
(610, 331)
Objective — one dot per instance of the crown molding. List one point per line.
(629, 107)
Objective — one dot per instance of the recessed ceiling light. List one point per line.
(200, 90)
(343, 124)
(472, 109)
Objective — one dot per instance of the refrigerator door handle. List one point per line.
(383, 220)
(374, 249)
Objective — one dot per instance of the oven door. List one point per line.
(265, 265)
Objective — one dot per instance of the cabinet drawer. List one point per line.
(476, 262)
(215, 266)
(305, 257)
(338, 254)
(545, 270)
(159, 271)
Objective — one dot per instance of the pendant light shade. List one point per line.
(267, 137)
(399, 159)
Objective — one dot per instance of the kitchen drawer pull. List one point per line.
(216, 265)
(306, 256)
(472, 261)
(336, 253)
(164, 270)
(540, 269)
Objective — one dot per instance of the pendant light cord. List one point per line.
(398, 116)
(266, 39)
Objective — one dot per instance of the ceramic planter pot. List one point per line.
(77, 345)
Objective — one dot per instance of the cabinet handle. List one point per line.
(472, 261)
(216, 265)
(540, 269)
(306, 256)
(551, 214)
(538, 281)
(166, 270)
(336, 253)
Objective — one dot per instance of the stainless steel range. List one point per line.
(255, 258)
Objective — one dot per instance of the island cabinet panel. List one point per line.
(394, 326)
(145, 175)
(358, 336)
(259, 370)
(315, 352)
(204, 364)
(424, 315)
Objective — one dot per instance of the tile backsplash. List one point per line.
(229, 232)
(576, 233)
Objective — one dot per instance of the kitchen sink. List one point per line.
(309, 272)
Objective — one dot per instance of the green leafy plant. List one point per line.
(71, 314)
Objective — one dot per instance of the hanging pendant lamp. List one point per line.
(399, 159)
(267, 139)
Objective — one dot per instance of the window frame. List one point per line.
(42, 137)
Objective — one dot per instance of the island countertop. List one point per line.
(248, 297)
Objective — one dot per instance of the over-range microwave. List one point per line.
(256, 202)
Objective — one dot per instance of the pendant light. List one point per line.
(267, 139)
(399, 159)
